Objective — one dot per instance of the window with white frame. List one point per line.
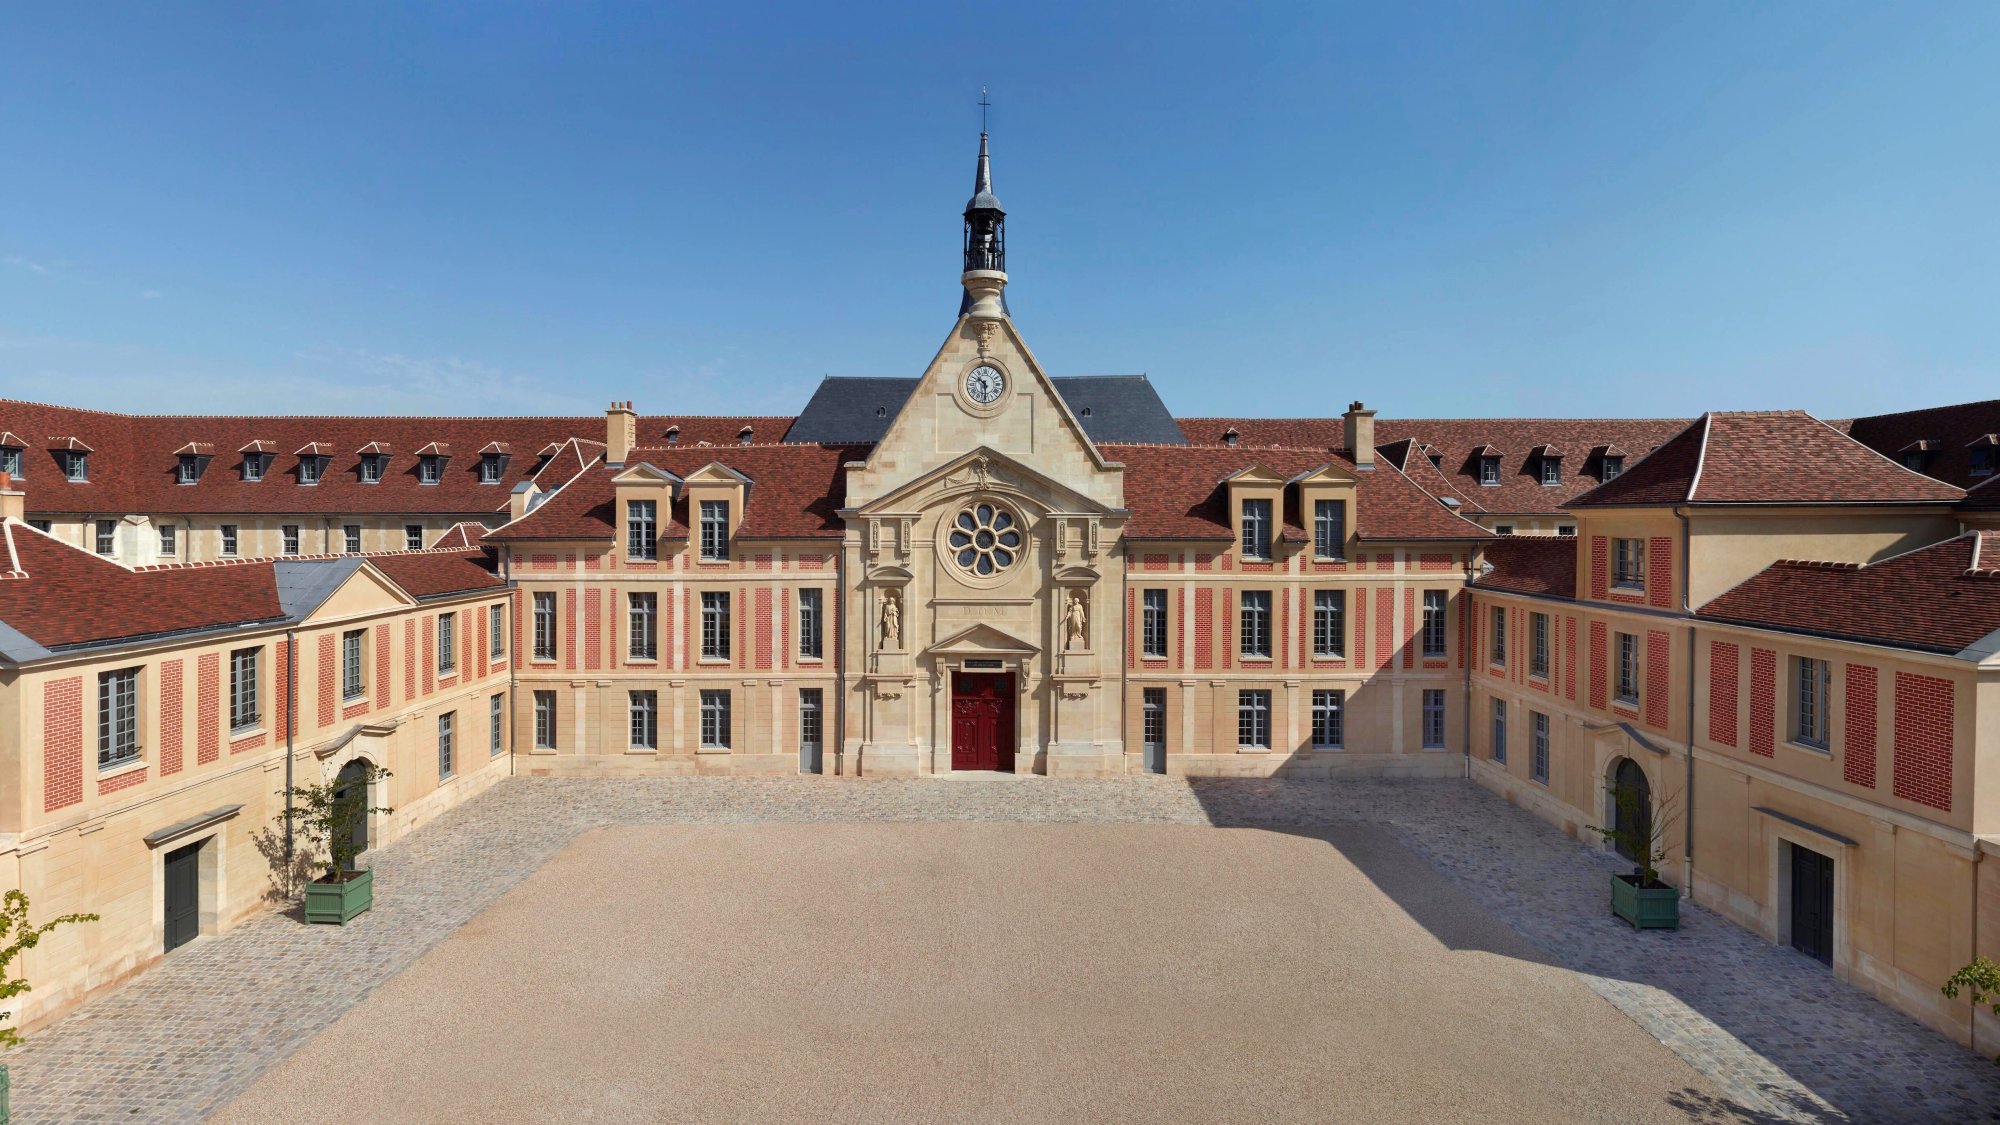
(1256, 529)
(1611, 467)
(253, 466)
(1538, 645)
(1812, 695)
(1329, 718)
(496, 725)
(1433, 718)
(715, 719)
(243, 708)
(413, 537)
(1434, 621)
(117, 717)
(715, 625)
(1253, 719)
(107, 537)
(642, 529)
(1153, 718)
(714, 530)
(1329, 624)
(446, 737)
(1497, 643)
(228, 540)
(430, 469)
(76, 466)
(353, 681)
(189, 469)
(352, 534)
(10, 461)
(645, 719)
(812, 717)
(447, 641)
(812, 627)
(371, 468)
(1153, 624)
(1329, 529)
(290, 534)
(643, 626)
(496, 631)
(1551, 470)
(1628, 667)
(1629, 563)
(169, 539)
(1256, 621)
(1500, 731)
(1538, 768)
(489, 468)
(545, 625)
(1489, 471)
(310, 469)
(545, 720)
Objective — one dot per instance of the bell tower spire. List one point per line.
(985, 276)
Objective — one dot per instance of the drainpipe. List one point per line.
(1125, 681)
(840, 658)
(1687, 798)
(1465, 659)
(513, 658)
(291, 729)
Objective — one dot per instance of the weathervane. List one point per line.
(983, 106)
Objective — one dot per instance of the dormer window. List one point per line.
(673, 435)
(430, 469)
(1231, 437)
(490, 467)
(1489, 471)
(190, 469)
(1980, 463)
(745, 434)
(253, 466)
(1613, 466)
(1914, 460)
(311, 468)
(371, 467)
(1436, 460)
(76, 465)
(1256, 529)
(1552, 470)
(10, 460)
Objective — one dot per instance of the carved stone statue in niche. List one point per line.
(1077, 618)
(892, 625)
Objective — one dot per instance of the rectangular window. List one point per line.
(40, 525)
(1979, 462)
(496, 631)
(1256, 529)
(309, 470)
(371, 468)
(1329, 718)
(107, 537)
(445, 723)
(1812, 682)
(10, 462)
(1538, 767)
(1613, 466)
(1433, 718)
(1538, 645)
(715, 720)
(290, 532)
(447, 628)
(1552, 472)
(642, 529)
(642, 614)
(1330, 624)
(1503, 529)
(1489, 471)
(1153, 624)
(1629, 570)
(352, 533)
(496, 725)
(253, 467)
(1434, 616)
(1253, 719)
(429, 469)
(812, 717)
(715, 625)
(1497, 654)
(169, 539)
(545, 720)
(545, 625)
(1628, 667)
(190, 470)
(352, 683)
(1256, 616)
(489, 468)
(228, 540)
(413, 537)
(76, 466)
(1565, 529)
(117, 717)
(811, 629)
(1329, 529)
(714, 530)
(1153, 716)
(243, 712)
(645, 715)
(1500, 731)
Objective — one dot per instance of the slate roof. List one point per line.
(1531, 564)
(850, 410)
(1940, 598)
(1765, 457)
(1952, 428)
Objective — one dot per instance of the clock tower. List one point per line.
(985, 276)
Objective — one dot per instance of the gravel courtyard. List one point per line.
(981, 972)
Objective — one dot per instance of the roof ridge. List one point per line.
(213, 564)
(1877, 454)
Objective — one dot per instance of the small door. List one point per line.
(352, 783)
(812, 725)
(1638, 819)
(183, 896)
(982, 721)
(1812, 904)
(1153, 729)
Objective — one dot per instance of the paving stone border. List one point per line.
(1777, 1035)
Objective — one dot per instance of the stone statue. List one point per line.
(892, 627)
(1078, 621)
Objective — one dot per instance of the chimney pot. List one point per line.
(1360, 433)
(621, 428)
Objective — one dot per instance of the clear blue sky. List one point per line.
(1582, 208)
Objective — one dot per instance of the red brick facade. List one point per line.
(171, 718)
(1925, 713)
(62, 743)
(1857, 764)
(1723, 681)
(1763, 700)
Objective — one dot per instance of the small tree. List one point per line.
(325, 819)
(17, 934)
(1644, 835)
(1982, 980)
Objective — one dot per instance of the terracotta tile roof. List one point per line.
(1176, 492)
(1950, 429)
(436, 573)
(1986, 494)
(465, 536)
(1765, 457)
(1940, 598)
(1531, 564)
(796, 492)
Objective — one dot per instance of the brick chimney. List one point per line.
(621, 432)
(1360, 430)
(13, 502)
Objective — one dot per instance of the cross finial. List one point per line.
(983, 106)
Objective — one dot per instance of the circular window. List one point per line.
(985, 539)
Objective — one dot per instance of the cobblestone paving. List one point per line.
(1776, 1034)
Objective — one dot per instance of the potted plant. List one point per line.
(16, 934)
(1640, 897)
(325, 816)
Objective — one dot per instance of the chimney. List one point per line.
(13, 502)
(621, 432)
(522, 500)
(1360, 434)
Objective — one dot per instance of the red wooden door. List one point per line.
(982, 721)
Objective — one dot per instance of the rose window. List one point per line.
(984, 539)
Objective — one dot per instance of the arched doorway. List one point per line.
(351, 790)
(1632, 819)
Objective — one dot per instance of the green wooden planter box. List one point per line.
(1648, 908)
(338, 903)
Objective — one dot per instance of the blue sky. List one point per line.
(1576, 209)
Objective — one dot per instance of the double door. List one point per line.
(1812, 904)
(183, 896)
(982, 721)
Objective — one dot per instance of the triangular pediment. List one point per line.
(1327, 474)
(986, 470)
(983, 640)
(716, 472)
(643, 473)
(328, 591)
(1255, 474)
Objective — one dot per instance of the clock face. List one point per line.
(983, 384)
